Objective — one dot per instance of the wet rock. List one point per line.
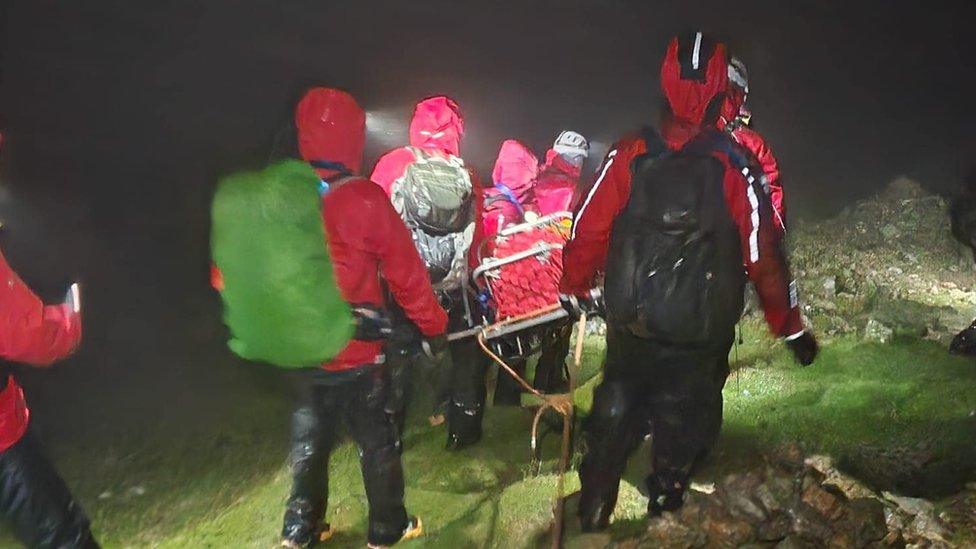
(775, 528)
(795, 542)
(850, 487)
(877, 332)
(794, 501)
(829, 286)
(668, 531)
(911, 506)
(809, 524)
(823, 502)
(866, 518)
(727, 530)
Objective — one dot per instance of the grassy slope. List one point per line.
(225, 487)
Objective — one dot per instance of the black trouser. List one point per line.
(467, 381)
(550, 370)
(359, 401)
(36, 502)
(674, 394)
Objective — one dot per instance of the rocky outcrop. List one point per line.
(792, 502)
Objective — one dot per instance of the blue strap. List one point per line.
(510, 195)
(329, 165)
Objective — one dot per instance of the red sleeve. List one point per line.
(402, 269)
(586, 252)
(216, 278)
(30, 332)
(762, 252)
(390, 167)
(756, 144)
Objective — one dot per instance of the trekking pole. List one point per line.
(557, 535)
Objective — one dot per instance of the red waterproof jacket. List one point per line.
(555, 188)
(689, 84)
(757, 147)
(437, 128)
(369, 245)
(511, 196)
(30, 333)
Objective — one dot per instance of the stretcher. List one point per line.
(519, 271)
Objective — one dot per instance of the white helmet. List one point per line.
(571, 144)
(738, 74)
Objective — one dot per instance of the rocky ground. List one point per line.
(886, 267)
(796, 502)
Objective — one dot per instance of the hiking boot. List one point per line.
(463, 427)
(594, 516)
(302, 540)
(414, 529)
(663, 496)
(965, 342)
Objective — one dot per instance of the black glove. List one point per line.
(591, 304)
(571, 305)
(372, 323)
(594, 304)
(804, 348)
(438, 350)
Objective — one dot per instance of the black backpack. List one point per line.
(674, 266)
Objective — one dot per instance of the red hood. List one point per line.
(437, 124)
(693, 75)
(516, 166)
(331, 128)
(556, 163)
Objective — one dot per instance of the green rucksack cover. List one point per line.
(280, 297)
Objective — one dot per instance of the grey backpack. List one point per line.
(435, 198)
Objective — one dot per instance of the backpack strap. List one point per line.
(509, 194)
(418, 155)
(341, 176)
(714, 140)
(655, 149)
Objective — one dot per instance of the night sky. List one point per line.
(120, 116)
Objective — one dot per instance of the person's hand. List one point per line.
(438, 350)
(804, 348)
(592, 304)
(372, 323)
(570, 304)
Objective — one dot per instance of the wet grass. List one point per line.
(222, 482)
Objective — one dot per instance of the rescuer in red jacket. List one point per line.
(370, 249)
(33, 498)
(676, 390)
(436, 129)
(735, 120)
(555, 187)
(507, 201)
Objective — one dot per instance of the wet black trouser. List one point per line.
(357, 400)
(37, 503)
(550, 370)
(467, 388)
(673, 394)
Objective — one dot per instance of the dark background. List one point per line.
(120, 116)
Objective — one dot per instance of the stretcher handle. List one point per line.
(495, 263)
(492, 331)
